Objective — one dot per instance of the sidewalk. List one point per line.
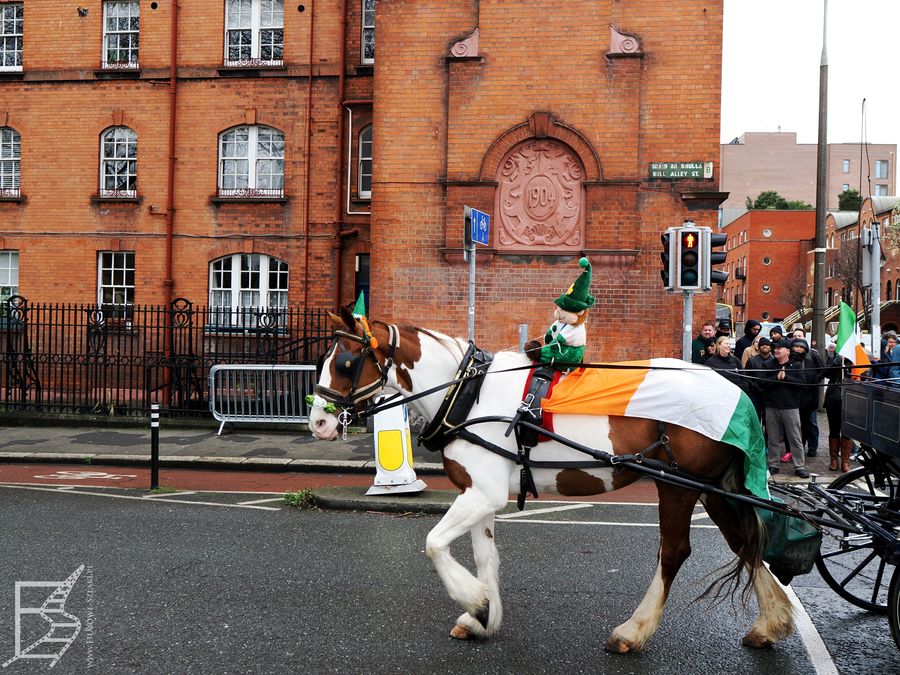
(254, 447)
(245, 447)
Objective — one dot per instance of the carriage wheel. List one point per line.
(894, 606)
(850, 563)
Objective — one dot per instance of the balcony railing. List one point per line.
(251, 193)
(740, 273)
(253, 63)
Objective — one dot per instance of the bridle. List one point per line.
(350, 365)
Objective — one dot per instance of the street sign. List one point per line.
(481, 228)
(681, 170)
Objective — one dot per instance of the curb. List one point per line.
(429, 502)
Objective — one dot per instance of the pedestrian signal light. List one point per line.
(668, 257)
(689, 248)
(711, 276)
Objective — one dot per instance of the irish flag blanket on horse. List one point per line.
(691, 396)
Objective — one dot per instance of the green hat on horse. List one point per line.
(577, 297)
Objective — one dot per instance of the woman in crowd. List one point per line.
(726, 363)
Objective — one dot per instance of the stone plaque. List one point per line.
(540, 197)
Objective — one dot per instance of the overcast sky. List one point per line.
(770, 70)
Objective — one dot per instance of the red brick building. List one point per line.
(767, 263)
(249, 153)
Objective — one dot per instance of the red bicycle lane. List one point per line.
(223, 480)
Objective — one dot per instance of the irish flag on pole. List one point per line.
(847, 343)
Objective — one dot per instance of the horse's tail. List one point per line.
(748, 538)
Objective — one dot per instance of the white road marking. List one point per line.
(140, 499)
(550, 509)
(162, 495)
(262, 501)
(818, 652)
(601, 522)
(86, 475)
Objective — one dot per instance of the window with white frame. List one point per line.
(121, 33)
(245, 288)
(12, 21)
(254, 32)
(846, 164)
(251, 162)
(118, 163)
(9, 276)
(880, 190)
(881, 168)
(368, 32)
(115, 283)
(364, 169)
(845, 187)
(10, 162)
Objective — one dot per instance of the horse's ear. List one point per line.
(348, 319)
(340, 322)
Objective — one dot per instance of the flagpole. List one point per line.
(818, 322)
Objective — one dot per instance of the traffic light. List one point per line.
(711, 258)
(667, 257)
(689, 255)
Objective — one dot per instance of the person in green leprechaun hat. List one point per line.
(566, 339)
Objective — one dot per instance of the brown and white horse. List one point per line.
(410, 360)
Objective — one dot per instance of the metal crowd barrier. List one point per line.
(260, 393)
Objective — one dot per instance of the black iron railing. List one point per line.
(93, 359)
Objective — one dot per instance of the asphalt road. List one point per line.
(191, 588)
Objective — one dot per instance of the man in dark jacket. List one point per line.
(751, 330)
(782, 399)
(723, 328)
(776, 333)
(700, 343)
(756, 363)
(809, 398)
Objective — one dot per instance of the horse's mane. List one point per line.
(452, 345)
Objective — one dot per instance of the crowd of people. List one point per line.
(782, 375)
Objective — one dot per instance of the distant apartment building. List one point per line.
(759, 161)
(766, 263)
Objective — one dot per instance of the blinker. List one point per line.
(345, 364)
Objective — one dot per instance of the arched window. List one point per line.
(118, 163)
(245, 287)
(10, 162)
(897, 289)
(364, 166)
(251, 162)
(254, 32)
(888, 295)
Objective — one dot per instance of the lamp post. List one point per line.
(818, 323)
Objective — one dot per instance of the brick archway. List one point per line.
(541, 125)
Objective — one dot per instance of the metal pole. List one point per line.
(875, 266)
(686, 323)
(472, 291)
(818, 323)
(523, 336)
(154, 446)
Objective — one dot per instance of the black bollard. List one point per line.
(154, 446)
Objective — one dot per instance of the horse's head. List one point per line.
(354, 370)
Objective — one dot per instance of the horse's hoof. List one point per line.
(618, 645)
(460, 632)
(756, 641)
(481, 614)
